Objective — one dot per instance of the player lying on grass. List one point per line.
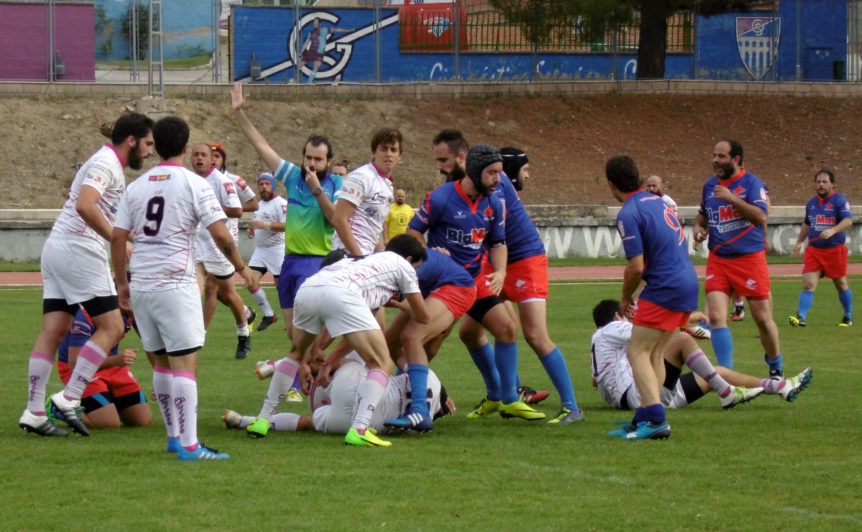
(333, 406)
(341, 297)
(612, 373)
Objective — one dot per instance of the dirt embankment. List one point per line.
(568, 139)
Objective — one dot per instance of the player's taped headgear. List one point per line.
(266, 176)
(480, 157)
(513, 160)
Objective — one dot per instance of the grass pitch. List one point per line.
(785, 466)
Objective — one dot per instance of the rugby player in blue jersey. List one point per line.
(465, 217)
(526, 282)
(657, 253)
(827, 219)
(733, 212)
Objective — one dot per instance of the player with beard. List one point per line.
(76, 273)
(734, 208)
(267, 229)
(465, 217)
(311, 193)
(450, 152)
(527, 282)
(827, 219)
(212, 265)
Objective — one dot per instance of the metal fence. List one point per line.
(486, 30)
(196, 40)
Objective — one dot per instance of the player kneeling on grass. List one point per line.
(333, 406)
(341, 297)
(113, 398)
(612, 373)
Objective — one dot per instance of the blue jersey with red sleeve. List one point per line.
(823, 214)
(730, 233)
(522, 237)
(650, 228)
(439, 269)
(461, 225)
(81, 331)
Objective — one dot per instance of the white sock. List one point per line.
(90, 357)
(700, 364)
(370, 393)
(285, 371)
(242, 329)
(163, 384)
(286, 421)
(185, 392)
(39, 370)
(260, 298)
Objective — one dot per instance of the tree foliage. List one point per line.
(539, 19)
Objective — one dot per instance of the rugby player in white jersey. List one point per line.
(162, 211)
(267, 229)
(365, 197)
(246, 194)
(249, 204)
(212, 266)
(341, 297)
(333, 405)
(75, 273)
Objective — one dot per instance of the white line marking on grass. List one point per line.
(808, 513)
(613, 479)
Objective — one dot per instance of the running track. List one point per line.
(557, 274)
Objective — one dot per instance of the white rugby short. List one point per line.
(75, 269)
(221, 269)
(172, 320)
(335, 417)
(269, 258)
(669, 398)
(341, 310)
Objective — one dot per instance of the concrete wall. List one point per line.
(408, 91)
(567, 231)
